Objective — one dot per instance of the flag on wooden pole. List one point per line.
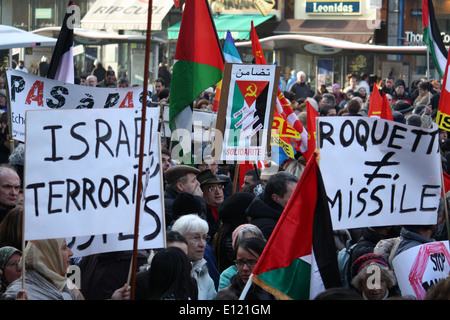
(299, 260)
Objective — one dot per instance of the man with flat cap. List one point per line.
(212, 187)
(181, 178)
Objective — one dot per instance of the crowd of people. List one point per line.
(216, 231)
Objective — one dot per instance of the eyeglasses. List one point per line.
(198, 238)
(249, 263)
(216, 188)
(13, 265)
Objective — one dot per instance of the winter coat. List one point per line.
(205, 284)
(264, 214)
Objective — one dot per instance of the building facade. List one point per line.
(322, 38)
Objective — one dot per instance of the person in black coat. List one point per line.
(370, 237)
(266, 209)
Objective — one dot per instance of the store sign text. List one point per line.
(332, 7)
(412, 37)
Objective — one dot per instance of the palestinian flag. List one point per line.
(379, 105)
(432, 36)
(299, 260)
(61, 64)
(199, 62)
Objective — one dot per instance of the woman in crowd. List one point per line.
(10, 266)
(248, 252)
(364, 267)
(46, 263)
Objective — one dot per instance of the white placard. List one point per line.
(81, 171)
(420, 267)
(378, 172)
(30, 92)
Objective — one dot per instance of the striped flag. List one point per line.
(231, 55)
(299, 260)
(432, 36)
(61, 65)
(230, 51)
(199, 62)
(283, 106)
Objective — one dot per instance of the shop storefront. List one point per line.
(330, 39)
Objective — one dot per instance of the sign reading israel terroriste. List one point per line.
(245, 114)
(81, 175)
(379, 172)
(421, 267)
(30, 92)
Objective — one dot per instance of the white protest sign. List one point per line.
(81, 170)
(378, 172)
(150, 237)
(30, 92)
(420, 267)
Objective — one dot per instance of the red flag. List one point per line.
(257, 51)
(283, 106)
(386, 111)
(311, 115)
(379, 105)
(446, 183)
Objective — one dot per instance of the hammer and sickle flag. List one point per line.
(251, 90)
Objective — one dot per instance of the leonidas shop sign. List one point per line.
(333, 7)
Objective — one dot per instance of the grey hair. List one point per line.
(190, 223)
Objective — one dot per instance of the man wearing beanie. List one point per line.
(400, 92)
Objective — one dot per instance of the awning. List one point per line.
(327, 46)
(11, 37)
(238, 24)
(125, 15)
(359, 31)
(96, 37)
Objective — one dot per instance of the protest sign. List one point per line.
(30, 92)
(420, 267)
(245, 115)
(378, 172)
(81, 173)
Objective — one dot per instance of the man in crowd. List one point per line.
(266, 209)
(108, 82)
(91, 81)
(301, 89)
(388, 88)
(9, 189)
(180, 178)
(212, 187)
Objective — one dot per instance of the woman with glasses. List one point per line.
(195, 230)
(10, 266)
(248, 252)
